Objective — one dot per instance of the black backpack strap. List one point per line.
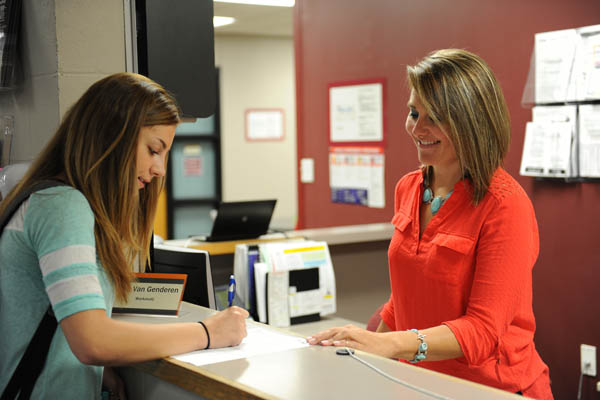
(32, 363)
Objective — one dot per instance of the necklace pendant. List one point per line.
(427, 195)
(436, 204)
(436, 201)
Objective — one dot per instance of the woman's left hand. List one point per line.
(384, 344)
(112, 382)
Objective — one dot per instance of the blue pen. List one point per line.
(231, 291)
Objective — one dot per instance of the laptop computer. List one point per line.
(241, 220)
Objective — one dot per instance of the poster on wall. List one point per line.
(265, 124)
(356, 175)
(356, 112)
(192, 160)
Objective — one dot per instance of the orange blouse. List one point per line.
(471, 270)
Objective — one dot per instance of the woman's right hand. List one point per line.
(227, 328)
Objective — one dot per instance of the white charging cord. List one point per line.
(396, 380)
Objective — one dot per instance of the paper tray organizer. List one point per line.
(285, 283)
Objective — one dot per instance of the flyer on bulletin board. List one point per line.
(356, 175)
(356, 112)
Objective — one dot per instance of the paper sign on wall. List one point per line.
(356, 175)
(192, 160)
(356, 112)
(265, 124)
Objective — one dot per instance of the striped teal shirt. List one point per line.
(48, 256)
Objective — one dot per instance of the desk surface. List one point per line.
(227, 247)
(332, 235)
(313, 372)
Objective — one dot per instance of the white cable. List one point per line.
(399, 381)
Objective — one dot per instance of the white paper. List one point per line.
(554, 62)
(356, 113)
(260, 281)
(589, 140)
(554, 114)
(377, 181)
(260, 340)
(547, 149)
(305, 302)
(587, 63)
(559, 140)
(240, 271)
(566, 113)
(532, 159)
(277, 299)
(264, 124)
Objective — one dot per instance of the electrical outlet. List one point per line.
(588, 360)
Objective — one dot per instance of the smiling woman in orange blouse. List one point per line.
(465, 242)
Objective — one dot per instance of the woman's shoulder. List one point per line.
(504, 190)
(405, 190)
(503, 185)
(410, 179)
(59, 200)
(61, 193)
(56, 217)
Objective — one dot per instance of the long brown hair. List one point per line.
(94, 150)
(459, 91)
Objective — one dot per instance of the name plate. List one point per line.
(154, 294)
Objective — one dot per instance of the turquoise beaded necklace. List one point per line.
(436, 202)
(428, 198)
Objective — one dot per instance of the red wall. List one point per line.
(344, 40)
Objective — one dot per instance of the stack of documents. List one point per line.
(589, 139)
(567, 65)
(562, 142)
(550, 148)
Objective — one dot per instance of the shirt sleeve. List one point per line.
(501, 291)
(59, 224)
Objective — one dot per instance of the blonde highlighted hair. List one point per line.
(461, 94)
(94, 150)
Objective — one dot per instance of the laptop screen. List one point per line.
(242, 220)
